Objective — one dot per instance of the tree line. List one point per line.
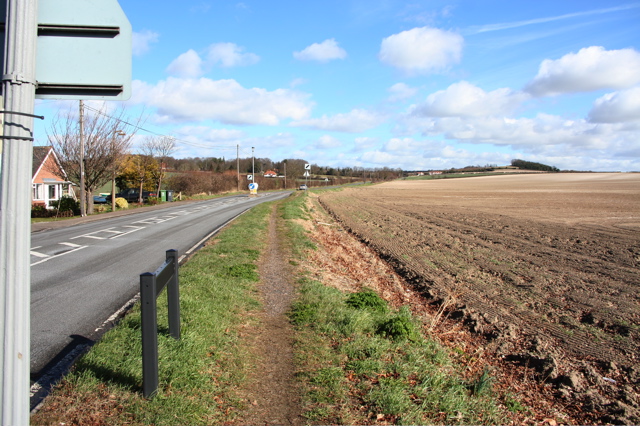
(530, 165)
(106, 144)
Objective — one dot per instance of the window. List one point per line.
(38, 191)
(52, 192)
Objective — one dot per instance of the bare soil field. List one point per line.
(543, 268)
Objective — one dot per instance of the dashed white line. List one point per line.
(70, 244)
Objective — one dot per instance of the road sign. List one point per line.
(249, 177)
(306, 174)
(253, 188)
(307, 166)
(83, 50)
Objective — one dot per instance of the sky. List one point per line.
(416, 85)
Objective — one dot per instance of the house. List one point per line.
(270, 174)
(46, 183)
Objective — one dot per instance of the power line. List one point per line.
(183, 141)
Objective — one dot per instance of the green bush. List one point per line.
(400, 326)
(367, 299)
(67, 203)
(153, 200)
(40, 211)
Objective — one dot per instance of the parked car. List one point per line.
(133, 195)
(303, 188)
(99, 199)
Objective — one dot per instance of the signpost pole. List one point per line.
(18, 89)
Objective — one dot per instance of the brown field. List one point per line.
(544, 267)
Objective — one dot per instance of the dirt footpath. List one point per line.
(544, 268)
(273, 398)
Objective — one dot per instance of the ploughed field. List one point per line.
(546, 267)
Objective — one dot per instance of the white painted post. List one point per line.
(18, 89)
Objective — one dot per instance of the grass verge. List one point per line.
(199, 373)
(362, 362)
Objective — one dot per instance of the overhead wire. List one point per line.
(138, 127)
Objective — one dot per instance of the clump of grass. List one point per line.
(482, 384)
(380, 365)
(399, 326)
(367, 299)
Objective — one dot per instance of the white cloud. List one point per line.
(592, 68)
(428, 154)
(183, 100)
(401, 91)
(187, 65)
(297, 82)
(364, 142)
(322, 52)
(422, 50)
(617, 107)
(355, 121)
(543, 133)
(327, 142)
(230, 55)
(206, 133)
(518, 24)
(406, 147)
(190, 64)
(141, 41)
(463, 99)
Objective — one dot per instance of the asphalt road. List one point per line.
(82, 274)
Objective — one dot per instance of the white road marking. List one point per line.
(47, 258)
(70, 244)
(36, 254)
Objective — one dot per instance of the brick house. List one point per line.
(46, 183)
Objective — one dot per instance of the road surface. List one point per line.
(82, 274)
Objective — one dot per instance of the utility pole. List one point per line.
(83, 210)
(253, 165)
(238, 164)
(115, 167)
(285, 174)
(18, 90)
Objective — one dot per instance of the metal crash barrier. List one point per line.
(151, 285)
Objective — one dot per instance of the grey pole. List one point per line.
(83, 196)
(18, 87)
(253, 165)
(238, 165)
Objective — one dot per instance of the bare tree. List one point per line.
(107, 139)
(159, 148)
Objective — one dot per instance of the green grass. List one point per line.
(199, 373)
(360, 365)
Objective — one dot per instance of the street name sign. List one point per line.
(83, 50)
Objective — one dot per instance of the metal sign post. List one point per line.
(18, 89)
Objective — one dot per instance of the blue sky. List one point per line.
(384, 83)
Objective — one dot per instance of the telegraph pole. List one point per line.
(82, 194)
(238, 164)
(18, 90)
(253, 165)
